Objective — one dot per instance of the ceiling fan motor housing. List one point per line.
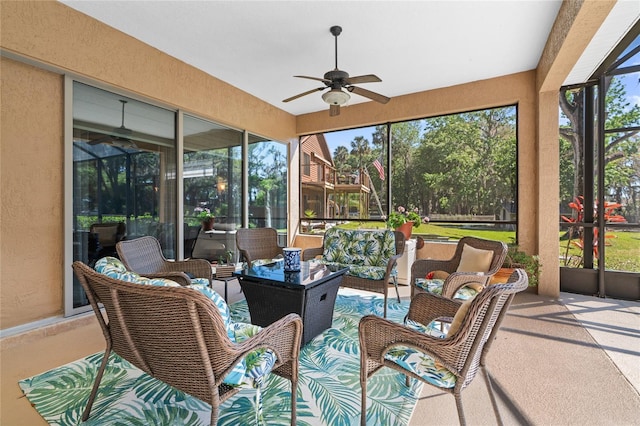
(338, 78)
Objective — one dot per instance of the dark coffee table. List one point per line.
(272, 293)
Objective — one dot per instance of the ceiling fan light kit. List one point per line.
(336, 97)
(336, 80)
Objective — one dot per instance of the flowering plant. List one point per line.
(203, 213)
(402, 216)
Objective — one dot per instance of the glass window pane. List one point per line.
(343, 176)
(212, 189)
(124, 174)
(268, 161)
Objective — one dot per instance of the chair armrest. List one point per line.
(312, 253)
(198, 268)
(283, 337)
(179, 277)
(421, 267)
(457, 280)
(393, 260)
(378, 335)
(427, 307)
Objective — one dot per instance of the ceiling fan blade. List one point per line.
(324, 80)
(334, 110)
(100, 140)
(369, 94)
(308, 92)
(369, 78)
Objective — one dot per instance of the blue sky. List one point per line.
(344, 137)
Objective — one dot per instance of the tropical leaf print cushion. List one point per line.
(365, 253)
(434, 286)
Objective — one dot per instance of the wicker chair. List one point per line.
(457, 280)
(353, 256)
(449, 362)
(257, 243)
(178, 335)
(144, 256)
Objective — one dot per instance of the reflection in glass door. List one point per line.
(123, 175)
(212, 190)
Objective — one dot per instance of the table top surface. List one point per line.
(311, 273)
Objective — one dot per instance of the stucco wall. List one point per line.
(31, 178)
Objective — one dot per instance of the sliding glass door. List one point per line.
(124, 175)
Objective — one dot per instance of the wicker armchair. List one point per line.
(457, 280)
(419, 350)
(178, 335)
(257, 243)
(144, 256)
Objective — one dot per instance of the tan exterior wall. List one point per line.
(31, 178)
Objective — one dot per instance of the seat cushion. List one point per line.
(252, 369)
(358, 248)
(114, 268)
(201, 281)
(367, 272)
(422, 365)
(435, 287)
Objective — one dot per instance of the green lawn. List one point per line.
(622, 250)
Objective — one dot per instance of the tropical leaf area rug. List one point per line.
(328, 388)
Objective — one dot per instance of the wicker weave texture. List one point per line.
(463, 353)
(457, 280)
(144, 256)
(258, 243)
(177, 335)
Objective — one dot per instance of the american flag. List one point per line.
(378, 166)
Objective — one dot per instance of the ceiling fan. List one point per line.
(336, 80)
(120, 136)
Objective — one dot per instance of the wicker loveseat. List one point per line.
(184, 336)
(371, 257)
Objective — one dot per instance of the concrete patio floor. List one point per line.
(575, 360)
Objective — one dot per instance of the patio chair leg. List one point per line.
(461, 418)
(363, 409)
(96, 383)
(395, 283)
(294, 397)
(494, 403)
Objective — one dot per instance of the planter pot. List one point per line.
(406, 229)
(207, 224)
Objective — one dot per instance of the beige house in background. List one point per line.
(45, 43)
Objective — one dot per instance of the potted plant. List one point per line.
(516, 258)
(403, 221)
(206, 217)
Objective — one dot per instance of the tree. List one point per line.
(618, 115)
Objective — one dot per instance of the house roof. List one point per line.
(413, 46)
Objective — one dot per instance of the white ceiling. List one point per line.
(258, 46)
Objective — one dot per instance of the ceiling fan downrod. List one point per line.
(336, 30)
